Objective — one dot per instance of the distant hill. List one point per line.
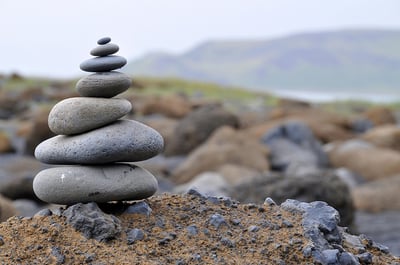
(348, 59)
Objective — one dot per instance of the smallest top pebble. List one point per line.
(104, 40)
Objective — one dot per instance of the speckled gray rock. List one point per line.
(73, 184)
(120, 141)
(81, 114)
(106, 85)
(103, 64)
(93, 222)
(104, 50)
(104, 40)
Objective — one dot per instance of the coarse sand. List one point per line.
(181, 229)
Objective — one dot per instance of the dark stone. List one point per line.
(44, 212)
(103, 64)
(217, 220)
(365, 258)
(56, 252)
(104, 50)
(361, 125)
(133, 235)
(294, 143)
(92, 222)
(104, 40)
(192, 230)
(139, 208)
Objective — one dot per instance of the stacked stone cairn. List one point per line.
(95, 145)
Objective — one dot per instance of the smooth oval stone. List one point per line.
(73, 184)
(120, 141)
(81, 114)
(104, 50)
(104, 40)
(103, 64)
(106, 84)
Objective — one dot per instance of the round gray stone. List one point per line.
(81, 114)
(104, 50)
(120, 141)
(73, 184)
(103, 64)
(104, 40)
(106, 84)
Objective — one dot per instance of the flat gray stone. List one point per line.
(74, 184)
(120, 141)
(106, 84)
(103, 64)
(104, 50)
(104, 40)
(81, 114)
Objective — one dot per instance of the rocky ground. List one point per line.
(186, 229)
(247, 148)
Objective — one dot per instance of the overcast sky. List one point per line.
(51, 38)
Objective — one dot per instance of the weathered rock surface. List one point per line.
(73, 184)
(81, 114)
(106, 84)
(105, 49)
(121, 141)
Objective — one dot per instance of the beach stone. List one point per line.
(103, 183)
(387, 136)
(104, 50)
(104, 40)
(103, 64)
(81, 114)
(106, 85)
(120, 141)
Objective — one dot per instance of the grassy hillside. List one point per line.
(353, 59)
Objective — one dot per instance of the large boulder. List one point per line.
(225, 146)
(387, 136)
(5, 143)
(196, 127)
(38, 131)
(364, 159)
(293, 144)
(16, 176)
(378, 195)
(172, 106)
(322, 185)
(380, 115)
(7, 209)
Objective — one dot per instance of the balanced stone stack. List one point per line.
(93, 140)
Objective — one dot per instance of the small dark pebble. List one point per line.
(139, 208)
(196, 193)
(269, 201)
(89, 257)
(44, 212)
(104, 40)
(253, 228)
(180, 262)
(227, 242)
(133, 235)
(345, 258)
(286, 223)
(365, 258)
(192, 230)
(217, 220)
(1, 241)
(56, 252)
(196, 257)
(235, 221)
